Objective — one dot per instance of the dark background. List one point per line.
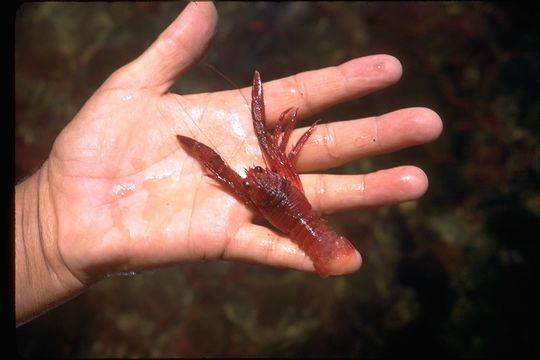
(452, 273)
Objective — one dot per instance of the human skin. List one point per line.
(118, 194)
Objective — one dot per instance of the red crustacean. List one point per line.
(277, 193)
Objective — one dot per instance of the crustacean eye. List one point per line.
(246, 183)
(258, 169)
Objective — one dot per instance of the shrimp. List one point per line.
(276, 192)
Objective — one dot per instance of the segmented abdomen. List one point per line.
(292, 214)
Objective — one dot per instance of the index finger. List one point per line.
(316, 90)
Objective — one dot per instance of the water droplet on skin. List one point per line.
(123, 190)
(122, 273)
(379, 66)
(127, 97)
(360, 187)
(406, 178)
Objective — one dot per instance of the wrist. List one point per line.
(42, 280)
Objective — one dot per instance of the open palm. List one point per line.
(126, 197)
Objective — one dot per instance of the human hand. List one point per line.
(121, 195)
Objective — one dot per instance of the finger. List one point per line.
(334, 144)
(179, 46)
(329, 193)
(314, 91)
(258, 244)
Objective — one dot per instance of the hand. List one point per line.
(118, 193)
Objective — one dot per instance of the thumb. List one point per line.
(171, 54)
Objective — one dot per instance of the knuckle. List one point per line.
(329, 141)
(377, 133)
(320, 188)
(301, 90)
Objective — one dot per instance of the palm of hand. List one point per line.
(125, 190)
